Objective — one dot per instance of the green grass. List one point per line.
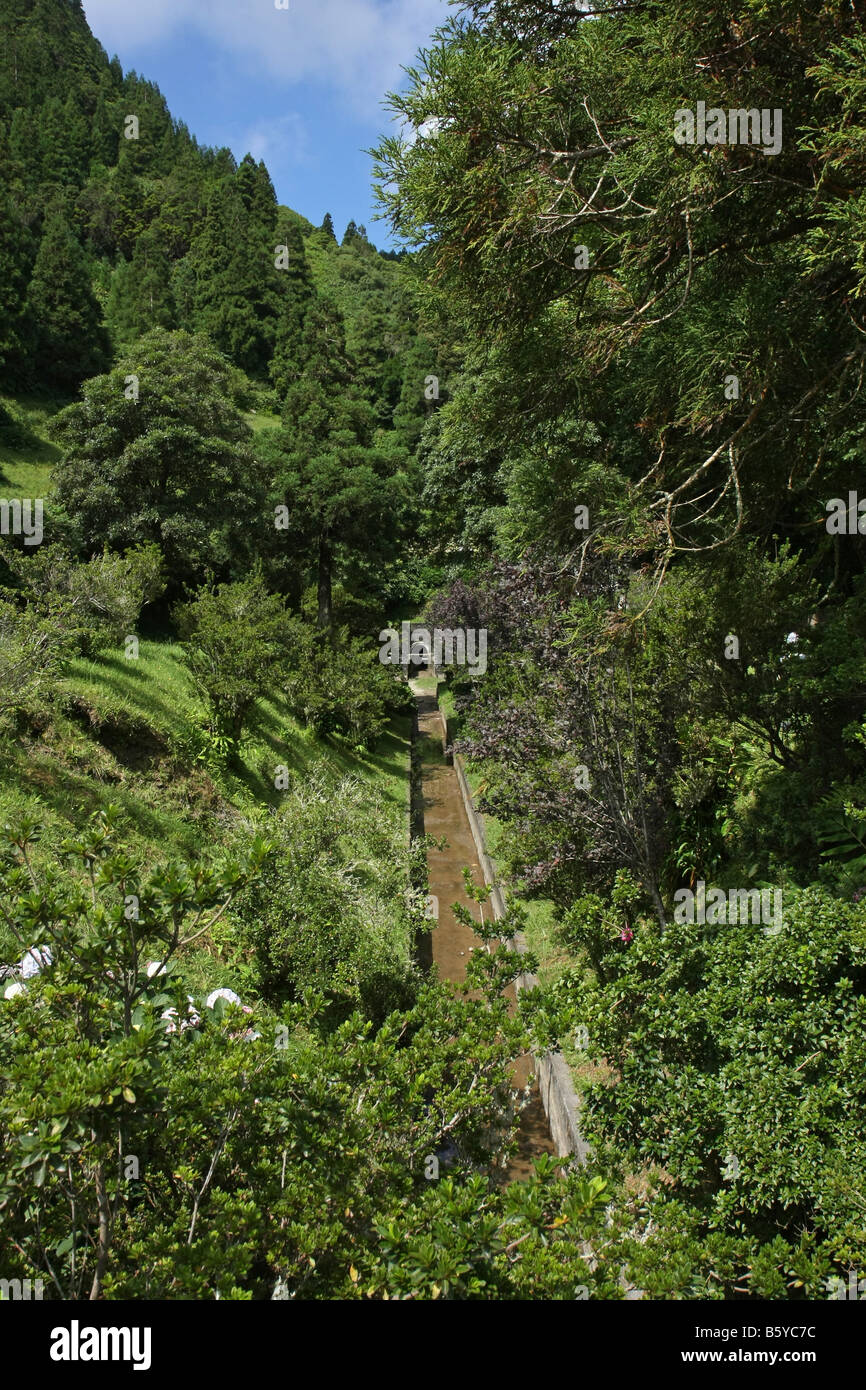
(259, 420)
(130, 733)
(27, 456)
(540, 935)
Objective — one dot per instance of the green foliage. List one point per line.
(97, 604)
(70, 341)
(172, 467)
(340, 687)
(344, 492)
(155, 1149)
(80, 1079)
(235, 644)
(140, 298)
(31, 660)
(716, 1040)
(296, 297)
(16, 258)
(329, 913)
(237, 287)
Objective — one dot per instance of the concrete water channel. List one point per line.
(444, 814)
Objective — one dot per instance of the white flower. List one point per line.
(154, 968)
(34, 960)
(227, 994)
(11, 991)
(192, 1019)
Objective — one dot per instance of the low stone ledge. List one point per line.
(555, 1085)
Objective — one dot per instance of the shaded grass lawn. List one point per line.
(27, 456)
(130, 733)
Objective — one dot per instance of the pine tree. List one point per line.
(127, 201)
(297, 296)
(328, 226)
(237, 292)
(16, 257)
(326, 371)
(106, 128)
(257, 192)
(140, 297)
(183, 288)
(25, 147)
(151, 153)
(342, 492)
(70, 341)
(64, 140)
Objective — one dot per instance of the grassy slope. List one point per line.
(128, 733)
(26, 454)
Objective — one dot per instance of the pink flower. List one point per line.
(626, 935)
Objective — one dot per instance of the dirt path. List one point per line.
(445, 814)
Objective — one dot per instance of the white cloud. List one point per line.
(356, 46)
(411, 134)
(282, 141)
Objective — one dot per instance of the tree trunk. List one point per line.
(657, 901)
(104, 1242)
(324, 583)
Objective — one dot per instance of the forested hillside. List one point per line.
(604, 410)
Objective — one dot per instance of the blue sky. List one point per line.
(301, 88)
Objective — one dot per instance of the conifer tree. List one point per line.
(16, 253)
(127, 207)
(344, 493)
(25, 147)
(297, 295)
(236, 297)
(64, 140)
(106, 128)
(140, 298)
(70, 340)
(257, 192)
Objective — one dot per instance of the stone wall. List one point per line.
(554, 1078)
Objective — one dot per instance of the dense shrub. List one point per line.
(329, 912)
(342, 687)
(235, 644)
(734, 1076)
